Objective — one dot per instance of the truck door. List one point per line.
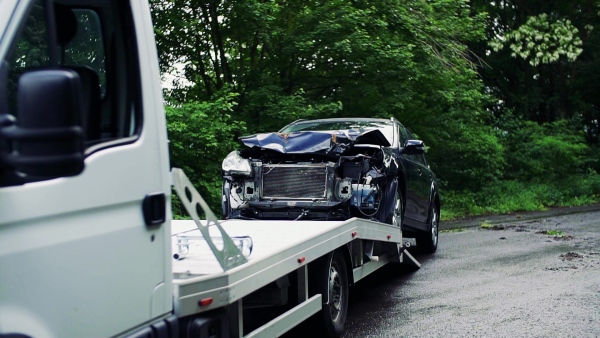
(84, 172)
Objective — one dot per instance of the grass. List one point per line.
(513, 196)
(453, 230)
(486, 225)
(555, 233)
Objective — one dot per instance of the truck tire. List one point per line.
(428, 242)
(335, 290)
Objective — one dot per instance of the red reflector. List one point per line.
(301, 260)
(205, 301)
(354, 234)
(389, 237)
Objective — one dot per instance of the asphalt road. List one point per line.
(513, 281)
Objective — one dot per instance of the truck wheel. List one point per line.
(334, 313)
(428, 242)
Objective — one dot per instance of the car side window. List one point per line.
(403, 135)
(415, 158)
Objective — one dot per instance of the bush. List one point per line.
(514, 196)
(543, 153)
(201, 134)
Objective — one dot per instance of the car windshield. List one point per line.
(386, 127)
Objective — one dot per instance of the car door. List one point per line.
(418, 186)
(77, 254)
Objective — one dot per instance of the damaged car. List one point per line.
(335, 169)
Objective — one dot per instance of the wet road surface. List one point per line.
(516, 279)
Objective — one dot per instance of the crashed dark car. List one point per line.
(335, 169)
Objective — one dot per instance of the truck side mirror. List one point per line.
(47, 140)
(414, 147)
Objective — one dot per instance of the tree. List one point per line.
(287, 60)
(539, 58)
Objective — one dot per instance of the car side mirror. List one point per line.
(47, 139)
(414, 147)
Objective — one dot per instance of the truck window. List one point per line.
(95, 42)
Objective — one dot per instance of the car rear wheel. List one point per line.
(428, 242)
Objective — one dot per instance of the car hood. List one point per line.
(334, 141)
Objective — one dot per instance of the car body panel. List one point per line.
(334, 141)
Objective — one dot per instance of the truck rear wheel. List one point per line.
(334, 313)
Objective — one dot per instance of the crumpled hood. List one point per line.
(331, 141)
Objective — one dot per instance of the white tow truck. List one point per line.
(87, 244)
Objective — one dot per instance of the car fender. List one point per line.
(387, 205)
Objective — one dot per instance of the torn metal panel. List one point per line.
(336, 141)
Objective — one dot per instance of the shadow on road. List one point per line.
(374, 291)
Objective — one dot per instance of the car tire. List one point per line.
(397, 216)
(428, 242)
(336, 287)
(225, 196)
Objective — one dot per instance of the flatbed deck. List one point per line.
(279, 247)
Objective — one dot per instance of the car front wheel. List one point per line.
(398, 214)
(428, 242)
(225, 196)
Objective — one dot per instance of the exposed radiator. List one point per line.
(294, 181)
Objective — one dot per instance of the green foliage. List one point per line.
(277, 109)
(544, 152)
(201, 134)
(512, 196)
(465, 154)
(298, 60)
(549, 69)
(510, 129)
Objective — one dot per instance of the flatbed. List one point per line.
(279, 248)
(87, 244)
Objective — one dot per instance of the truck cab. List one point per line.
(84, 171)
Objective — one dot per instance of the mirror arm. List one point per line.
(15, 133)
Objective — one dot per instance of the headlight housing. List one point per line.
(235, 164)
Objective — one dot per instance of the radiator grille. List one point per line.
(294, 181)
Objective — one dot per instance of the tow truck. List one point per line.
(88, 247)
